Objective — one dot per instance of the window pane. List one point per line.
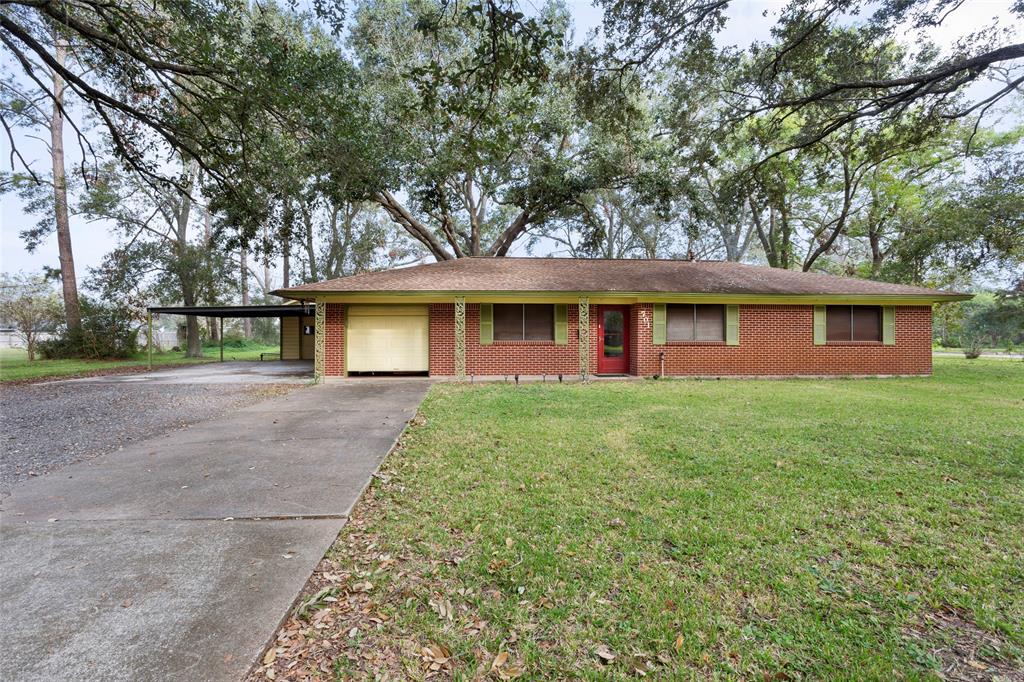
(540, 322)
(867, 323)
(679, 322)
(710, 323)
(837, 323)
(508, 322)
(614, 325)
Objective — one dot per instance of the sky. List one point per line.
(747, 22)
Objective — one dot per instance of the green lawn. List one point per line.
(761, 530)
(14, 364)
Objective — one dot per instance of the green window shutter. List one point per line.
(561, 324)
(732, 325)
(889, 325)
(819, 325)
(486, 324)
(660, 331)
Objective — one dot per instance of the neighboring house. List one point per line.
(532, 316)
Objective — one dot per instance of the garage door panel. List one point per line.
(383, 342)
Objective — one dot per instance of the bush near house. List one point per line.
(108, 332)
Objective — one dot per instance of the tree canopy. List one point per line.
(222, 139)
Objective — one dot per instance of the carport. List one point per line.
(288, 311)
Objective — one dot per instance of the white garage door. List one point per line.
(387, 338)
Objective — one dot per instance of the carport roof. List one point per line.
(286, 310)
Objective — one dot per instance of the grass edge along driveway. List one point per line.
(769, 530)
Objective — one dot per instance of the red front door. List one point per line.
(613, 339)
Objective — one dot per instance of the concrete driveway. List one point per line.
(176, 558)
(237, 372)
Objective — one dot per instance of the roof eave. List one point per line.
(449, 294)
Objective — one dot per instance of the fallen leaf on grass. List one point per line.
(510, 673)
(499, 661)
(435, 656)
(679, 642)
(605, 654)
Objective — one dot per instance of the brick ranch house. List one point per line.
(551, 316)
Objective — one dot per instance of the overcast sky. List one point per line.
(747, 22)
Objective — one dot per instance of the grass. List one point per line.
(772, 530)
(15, 366)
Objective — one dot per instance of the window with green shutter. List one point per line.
(732, 325)
(820, 329)
(889, 325)
(659, 325)
(486, 324)
(561, 324)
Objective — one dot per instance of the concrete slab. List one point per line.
(236, 372)
(239, 478)
(135, 580)
(181, 600)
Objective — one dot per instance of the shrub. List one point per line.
(107, 331)
(972, 348)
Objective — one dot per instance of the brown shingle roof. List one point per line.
(633, 276)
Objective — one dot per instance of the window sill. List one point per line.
(529, 342)
(695, 343)
(854, 343)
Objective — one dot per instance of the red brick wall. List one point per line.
(779, 340)
(775, 340)
(442, 339)
(504, 357)
(334, 340)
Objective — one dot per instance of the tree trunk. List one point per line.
(212, 323)
(69, 281)
(188, 292)
(286, 238)
(195, 344)
(307, 225)
(243, 258)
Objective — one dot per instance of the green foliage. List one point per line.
(988, 320)
(108, 331)
(30, 305)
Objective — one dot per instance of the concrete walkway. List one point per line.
(177, 558)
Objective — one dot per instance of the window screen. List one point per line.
(695, 322)
(519, 322)
(508, 322)
(853, 323)
(539, 322)
(867, 323)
